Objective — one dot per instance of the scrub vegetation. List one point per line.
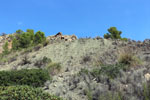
(36, 67)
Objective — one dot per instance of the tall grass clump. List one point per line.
(53, 68)
(129, 58)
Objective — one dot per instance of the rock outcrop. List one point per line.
(3, 40)
(60, 36)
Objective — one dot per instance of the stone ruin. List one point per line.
(60, 36)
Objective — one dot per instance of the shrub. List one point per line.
(46, 60)
(53, 68)
(38, 47)
(28, 50)
(15, 44)
(12, 59)
(83, 70)
(97, 62)
(25, 61)
(43, 62)
(3, 60)
(129, 59)
(98, 38)
(89, 94)
(124, 39)
(112, 71)
(31, 77)
(5, 48)
(146, 91)
(86, 59)
(111, 96)
(45, 43)
(24, 93)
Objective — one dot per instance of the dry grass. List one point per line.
(53, 68)
(128, 57)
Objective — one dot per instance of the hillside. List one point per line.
(78, 57)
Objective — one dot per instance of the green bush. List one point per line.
(15, 44)
(5, 48)
(24, 93)
(31, 77)
(112, 71)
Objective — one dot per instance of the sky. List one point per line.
(84, 18)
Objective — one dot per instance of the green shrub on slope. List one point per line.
(112, 71)
(32, 77)
(24, 93)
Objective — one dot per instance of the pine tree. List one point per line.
(39, 37)
(113, 33)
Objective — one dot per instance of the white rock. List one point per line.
(147, 76)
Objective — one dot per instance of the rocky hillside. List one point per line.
(78, 58)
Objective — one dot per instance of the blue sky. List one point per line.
(81, 17)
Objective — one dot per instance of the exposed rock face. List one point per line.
(60, 36)
(3, 40)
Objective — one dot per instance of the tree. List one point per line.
(19, 31)
(5, 48)
(25, 40)
(39, 37)
(22, 40)
(15, 44)
(31, 33)
(113, 33)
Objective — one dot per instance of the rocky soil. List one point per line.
(87, 54)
